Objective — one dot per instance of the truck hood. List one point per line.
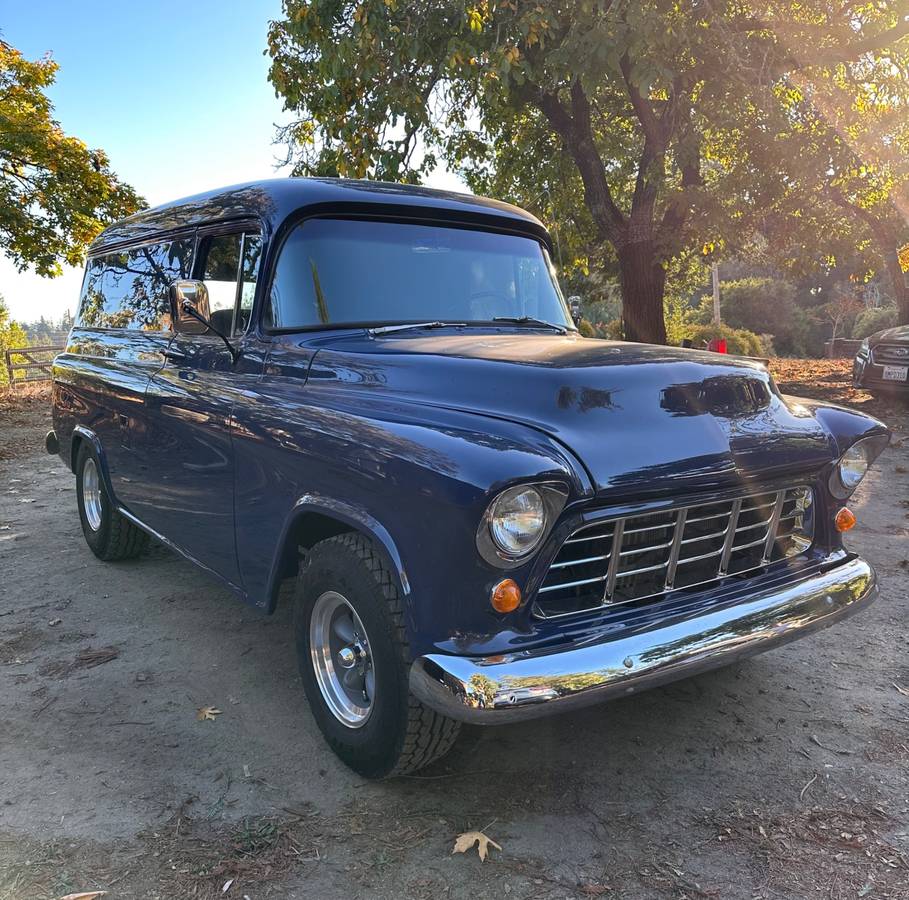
(642, 419)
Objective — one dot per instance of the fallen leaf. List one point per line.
(85, 895)
(465, 841)
(207, 713)
(901, 689)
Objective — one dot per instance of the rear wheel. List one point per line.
(354, 660)
(110, 535)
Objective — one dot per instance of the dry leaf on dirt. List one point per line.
(85, 895)
(463, 842)
(207, 713)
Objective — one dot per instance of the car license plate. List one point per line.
(896, 373)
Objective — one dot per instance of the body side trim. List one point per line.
(177, 549)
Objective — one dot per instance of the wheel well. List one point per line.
(74, 446)
(306, 532)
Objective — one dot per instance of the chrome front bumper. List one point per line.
(530, 684)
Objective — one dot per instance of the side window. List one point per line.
(230, 269)
(252, 251)
(128, 288)
(296, 297)
(222, 261)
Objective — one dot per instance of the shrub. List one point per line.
(762, 306)
(738, 340)
(872, 320)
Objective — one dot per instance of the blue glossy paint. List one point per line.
(407, 436)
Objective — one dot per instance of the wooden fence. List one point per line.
(28, 364)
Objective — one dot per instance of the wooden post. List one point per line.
(715, 272)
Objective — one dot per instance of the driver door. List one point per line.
(190, 400)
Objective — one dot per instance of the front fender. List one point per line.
(844, 426)
(347, 513)
(416, 480)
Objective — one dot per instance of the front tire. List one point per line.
(110, 535)
(354, 660)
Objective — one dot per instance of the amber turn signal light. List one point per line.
(844, 519)
(505, 596)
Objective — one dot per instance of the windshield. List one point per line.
(344, 271)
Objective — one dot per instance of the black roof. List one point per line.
(274, 200)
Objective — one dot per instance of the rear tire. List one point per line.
(354, 660)
(110, 535)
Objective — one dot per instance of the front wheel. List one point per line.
(353, 656)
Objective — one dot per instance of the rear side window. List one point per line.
(128, 288)
(230, 265)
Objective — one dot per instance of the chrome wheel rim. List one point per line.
(91, 494)
(341, 659)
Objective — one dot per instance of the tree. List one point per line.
(638, 108)
(844, 172)
(55, 193)
(11, 335)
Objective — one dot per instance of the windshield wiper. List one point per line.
(385, 329)
(530, 320)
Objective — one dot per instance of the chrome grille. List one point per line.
(646, 555)
(890, 355)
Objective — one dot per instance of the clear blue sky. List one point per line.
(176, 93)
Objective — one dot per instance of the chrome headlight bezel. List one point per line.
(852, 466)
(494, 550)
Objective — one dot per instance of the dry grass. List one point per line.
(24, 395)
(186, 858)
(820, 852)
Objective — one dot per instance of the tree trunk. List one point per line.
(898, 279)
(643, 281)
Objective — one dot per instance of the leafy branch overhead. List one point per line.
(55, 193)
(642, 131)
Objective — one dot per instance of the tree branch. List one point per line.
(577, 133)
(650, 122)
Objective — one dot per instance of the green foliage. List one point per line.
(874, 320)
(55, 193)
(586, 329)
(764, 306)
(11, 335)
(738, 340)
(641, 132)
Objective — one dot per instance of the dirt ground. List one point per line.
(785, 776)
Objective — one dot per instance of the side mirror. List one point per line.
(194, 294)
(574, 307)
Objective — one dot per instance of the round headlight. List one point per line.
(853, 466)
(517, 520)
(850, 470)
